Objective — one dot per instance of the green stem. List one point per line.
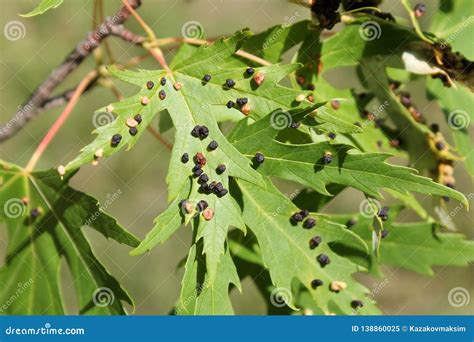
(368, 8)
(415, 23)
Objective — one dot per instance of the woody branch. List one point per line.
(41, 97)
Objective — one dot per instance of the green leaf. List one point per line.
(270, 44)
(457, 107)
(201, 296)
(416, 246)
(275, 41)
(37, 245)
(452, 22)
(410, 201)
(382, 38)
(287, 255)
(373, 75)
(350, 105)
(332, 123)
(166, 224)
(303, 164)
(42, 7)
(195, 104)
(213, 232)
(248, 259)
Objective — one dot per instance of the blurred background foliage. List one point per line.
(139, 175)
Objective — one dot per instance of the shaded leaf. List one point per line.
(451, 22)
(457, 107)
(37, 245)
(416, 246)
(199, 295)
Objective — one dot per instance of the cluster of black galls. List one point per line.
(302, 215)
(230, 83)
(326, 12)
(202, 132)
(241, 101)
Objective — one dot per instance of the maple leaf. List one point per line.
(44, 219)
(189, 106)
(192, 104)
(199, 294)
(415, 246)
(303, 163)
(194, 94)
(286, 252)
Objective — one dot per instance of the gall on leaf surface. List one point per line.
(193, 105)
(286, 253)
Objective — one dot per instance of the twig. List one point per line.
(158, 55)
(107, 47)
(128, 36)
(30, 108)
(151, 46)
(143, 24)
(61, 99)
(60, 120)
(253, 58)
